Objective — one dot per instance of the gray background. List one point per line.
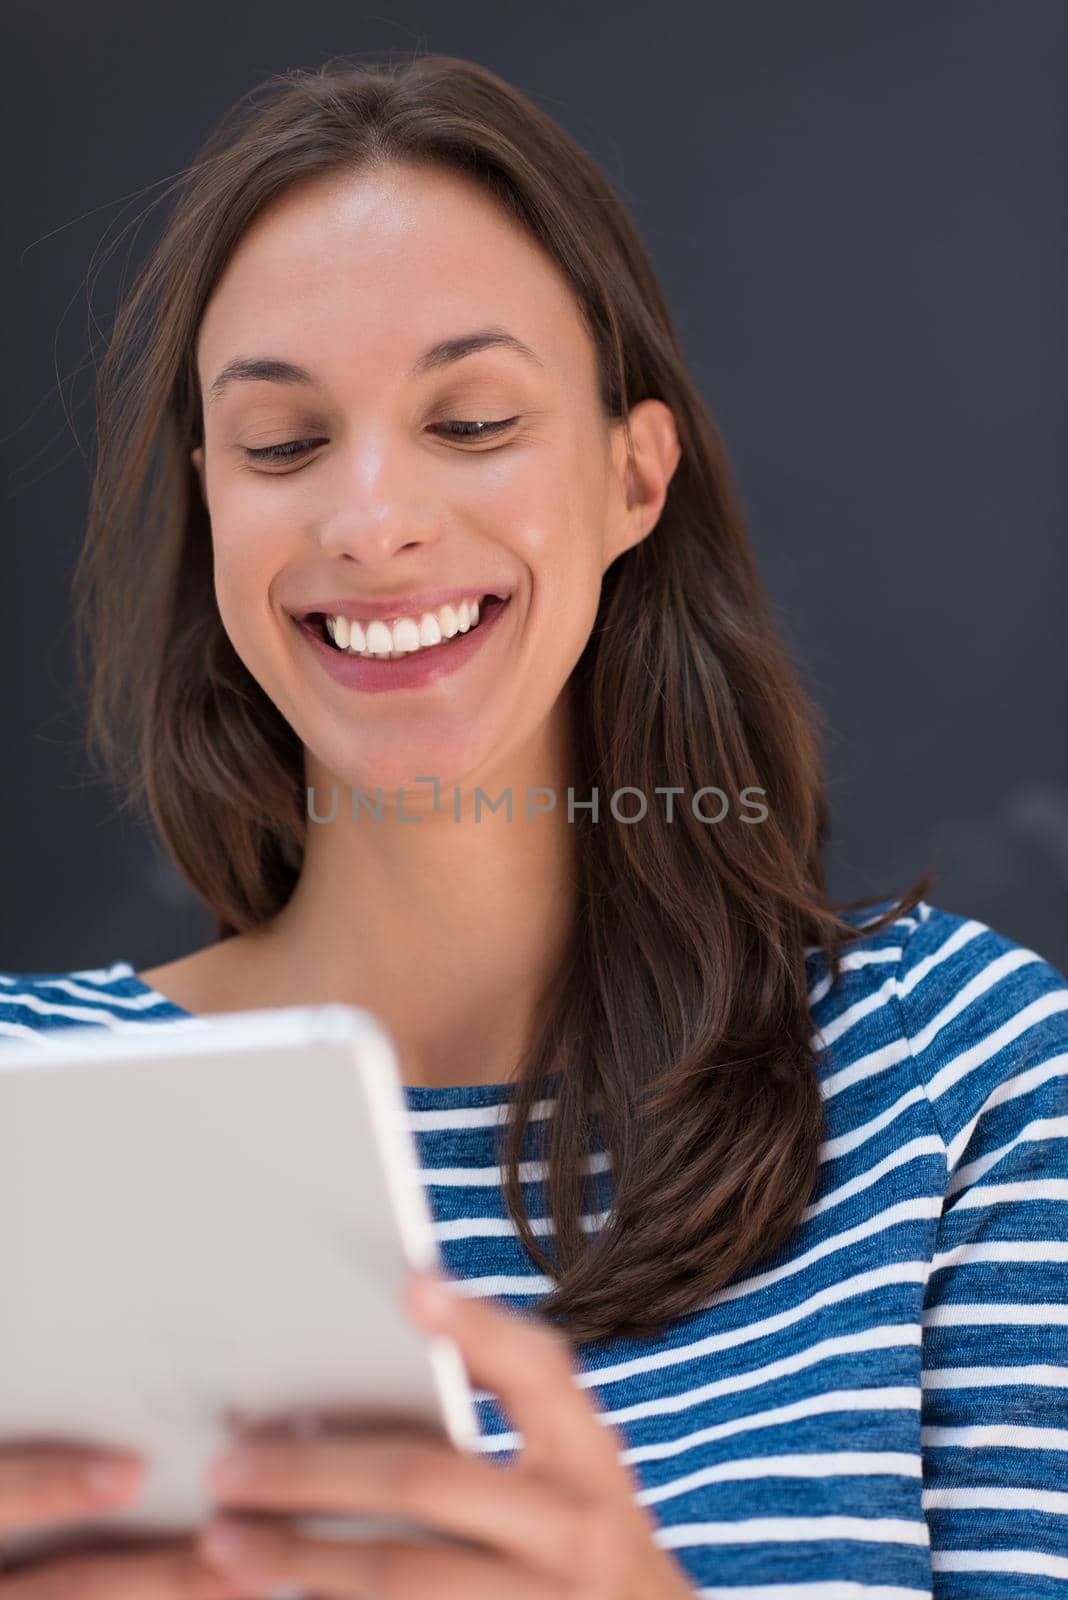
(857, 211)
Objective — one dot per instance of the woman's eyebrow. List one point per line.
(271, 369)
(468, 344)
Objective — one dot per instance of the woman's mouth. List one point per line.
(404, 636)
(406, 652)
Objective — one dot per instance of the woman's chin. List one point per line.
(401, 787)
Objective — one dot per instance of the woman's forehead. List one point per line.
(386, 233)
(390, 264)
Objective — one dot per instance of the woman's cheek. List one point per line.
(244, 570)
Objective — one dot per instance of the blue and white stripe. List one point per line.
(880, 1410)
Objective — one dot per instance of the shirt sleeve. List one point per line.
(986, 1021)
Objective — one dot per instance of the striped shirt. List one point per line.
(881, 1410)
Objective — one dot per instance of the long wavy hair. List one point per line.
(678, 1028)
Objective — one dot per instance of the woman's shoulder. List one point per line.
(931, 962)
(979, 1019)
(38, 1004)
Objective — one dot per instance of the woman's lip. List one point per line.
(414, 671)
(411, 605)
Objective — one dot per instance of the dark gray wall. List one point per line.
(858, 213)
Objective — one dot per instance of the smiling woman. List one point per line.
(404, 486)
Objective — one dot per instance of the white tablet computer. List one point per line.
(208, 1220)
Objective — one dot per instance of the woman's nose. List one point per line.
(369, 539)
(376, 508)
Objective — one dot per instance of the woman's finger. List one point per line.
(265, 1558)
(530, 1366)
(40, 1484)
(171, 1572)
(415, 1478)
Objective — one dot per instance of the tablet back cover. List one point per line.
(208, 1222)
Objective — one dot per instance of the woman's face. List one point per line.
(385, 507)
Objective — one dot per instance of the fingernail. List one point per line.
(225, 1541)
(235, 1470)
(110, 1475)
(433, 1302)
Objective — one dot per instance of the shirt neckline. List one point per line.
(419, 1097)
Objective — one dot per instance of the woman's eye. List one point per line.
(292, 448)
(282, 452)
(476, 430)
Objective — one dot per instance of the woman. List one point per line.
(420, 608)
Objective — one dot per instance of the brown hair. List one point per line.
(679, 1021)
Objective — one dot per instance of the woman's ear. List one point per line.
(197, 458)
(643, 477)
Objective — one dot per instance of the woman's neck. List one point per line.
(449, 928)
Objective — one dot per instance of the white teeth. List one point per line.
(379, 639)
(429, 632)
(405, 636)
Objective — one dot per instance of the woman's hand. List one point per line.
(42, 1484)
(562, 1524)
